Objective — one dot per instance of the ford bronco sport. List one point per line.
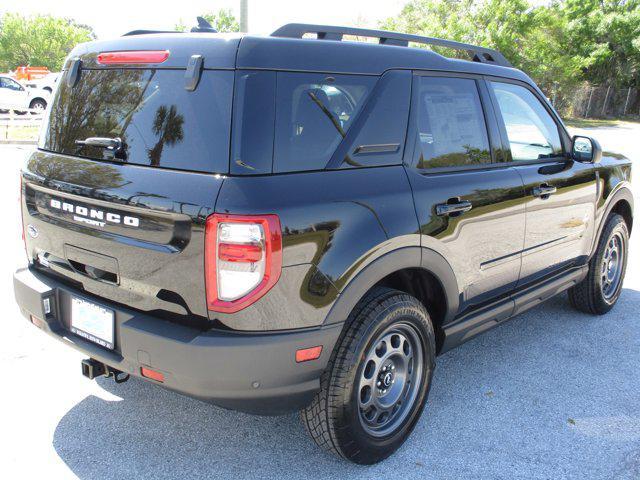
(299, 221)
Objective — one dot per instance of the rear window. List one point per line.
(313, 113)
(160, 123)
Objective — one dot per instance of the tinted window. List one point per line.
(451, 126)
(160, 123)
(532, 132)
(313, 114)
(10, 84)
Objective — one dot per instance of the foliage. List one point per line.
(41, 40)
(223, 21)
(604, 39)
(558, 44)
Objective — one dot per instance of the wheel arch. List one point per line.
(620, 202)
(31, 100)
(418, 271)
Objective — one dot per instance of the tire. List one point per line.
(38, 104)
(601, 288)
(336, 418)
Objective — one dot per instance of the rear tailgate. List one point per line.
(127, 223)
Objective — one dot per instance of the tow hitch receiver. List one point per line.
(92, 368)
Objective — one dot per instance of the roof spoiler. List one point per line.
(328, 32)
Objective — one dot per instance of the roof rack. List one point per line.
(328, 32)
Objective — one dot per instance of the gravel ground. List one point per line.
(551, 394)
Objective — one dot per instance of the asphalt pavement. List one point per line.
(550, 394)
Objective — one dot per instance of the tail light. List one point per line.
(243, 259)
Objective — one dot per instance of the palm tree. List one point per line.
(167, 125)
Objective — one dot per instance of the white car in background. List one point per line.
(14, 96)
(47, 83)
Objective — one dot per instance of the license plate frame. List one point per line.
(93, 322)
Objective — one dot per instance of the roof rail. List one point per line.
(328, 32)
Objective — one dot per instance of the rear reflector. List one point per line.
(306, 354)
(133, 57)
(152, 374)
(37, 322)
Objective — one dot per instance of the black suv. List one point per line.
(298, 221)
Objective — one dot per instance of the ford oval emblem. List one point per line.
(33, 231)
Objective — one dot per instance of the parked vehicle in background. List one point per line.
(272, 223)
(47, 83)
(16, 97)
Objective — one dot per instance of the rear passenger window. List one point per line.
(451, 126)
(313, 114)
(532, 132)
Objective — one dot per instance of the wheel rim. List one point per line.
(390, 380)
(38, 106)
(612, 266)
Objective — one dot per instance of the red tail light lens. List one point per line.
(230, 252)
(243, 259)
(133, 57)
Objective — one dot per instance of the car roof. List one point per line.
(303, 54)
(289, 52)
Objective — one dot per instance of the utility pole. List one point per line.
(244, 16)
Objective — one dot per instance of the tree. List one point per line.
(41, 40)
(604, 38)
(223, 21)
(559, 44)
(531, 38)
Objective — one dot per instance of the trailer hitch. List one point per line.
(92, 368)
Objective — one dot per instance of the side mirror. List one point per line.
(585, 149)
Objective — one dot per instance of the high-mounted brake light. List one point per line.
(243, 259)
(133, 57)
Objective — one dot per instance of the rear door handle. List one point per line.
(544, 191)
(453, 208)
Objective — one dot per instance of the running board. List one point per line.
(485, 318)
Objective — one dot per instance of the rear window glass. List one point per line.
(313, 113)
(159, 122)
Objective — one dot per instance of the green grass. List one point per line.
(596, 122)
(20, 133)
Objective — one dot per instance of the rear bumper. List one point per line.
(255, 373)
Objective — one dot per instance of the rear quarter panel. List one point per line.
(614, 173)
(334, 223)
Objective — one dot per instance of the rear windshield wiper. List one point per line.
(114, 144)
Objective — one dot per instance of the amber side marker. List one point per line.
(306, 354)
(152, 374)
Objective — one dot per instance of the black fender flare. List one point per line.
(622, 193)
(408, 257)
